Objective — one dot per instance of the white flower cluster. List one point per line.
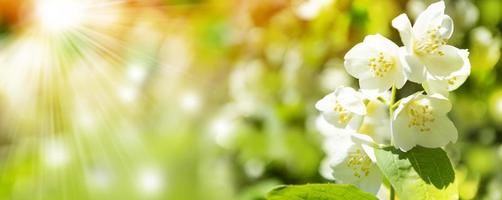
(352, 120)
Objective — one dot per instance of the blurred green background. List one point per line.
(208, 99)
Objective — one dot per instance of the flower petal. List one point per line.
(376, 84)
(402, 135)
(351, 100)
(444, 65)
(459, 77)
(442, 132)
(355, 123)
(372, 182)
(327, 103)
(424, 20)
(436, 86)
(380, 43)
(415, 70)
(403, 25)
(325, 128)
(399, 76)
(357, 60)
(439, 103)
(403, 103)
(446, 27)
(333, 118)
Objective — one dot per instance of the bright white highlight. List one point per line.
(498, 106)
(59, 15)
(136, 73)
(55, 154)
(190, 101)
(222, 130)
(150, 181)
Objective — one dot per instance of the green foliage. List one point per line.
(319, 192)
(421, 173)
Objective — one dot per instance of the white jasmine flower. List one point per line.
(426, 53)
(421, 120)
(444, 84)
(342, 107)
(375, 62)
(352, 160)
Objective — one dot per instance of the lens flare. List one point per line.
(60, 15)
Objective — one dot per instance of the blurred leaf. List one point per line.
(419, 171)
(318, 192)
(257, 191)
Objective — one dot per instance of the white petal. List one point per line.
(375, 83)
(415, 70)
(439, 103)
(372, 182)
(424, 20)
(327, 103)
(361, 139)
(402, 135)
(452, 82)
(338, 144)
(359, 51)
(351, 100)
(341, 171)
(334, 119)
(325, 168)
(374, 94)
(459, 77)
(442, 132)
(444, 65)
(403, 25)
(405, 101)
(358, 68)
(355, 123)
(433, 86)
(357, 61)
(399, 76)
(380, 43)
(446, 27)
(370, 151)
(325, 128)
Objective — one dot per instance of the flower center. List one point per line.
(452, 81)
(420, 116)
(359, 162)
(429, 44)
(380, 65)
(343, 114)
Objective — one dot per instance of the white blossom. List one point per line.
(343, 107)
(426, 53)
(421, 120)
(375, 62)
(351, 160)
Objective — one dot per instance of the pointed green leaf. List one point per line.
(419, 174)
(319, 192)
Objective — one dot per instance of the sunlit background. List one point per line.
(207, 99)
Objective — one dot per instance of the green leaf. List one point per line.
(419, 174)
(319, 192)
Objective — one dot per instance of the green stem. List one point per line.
(391, 108)
(392, 193)
(391, 111)
(393, 95)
